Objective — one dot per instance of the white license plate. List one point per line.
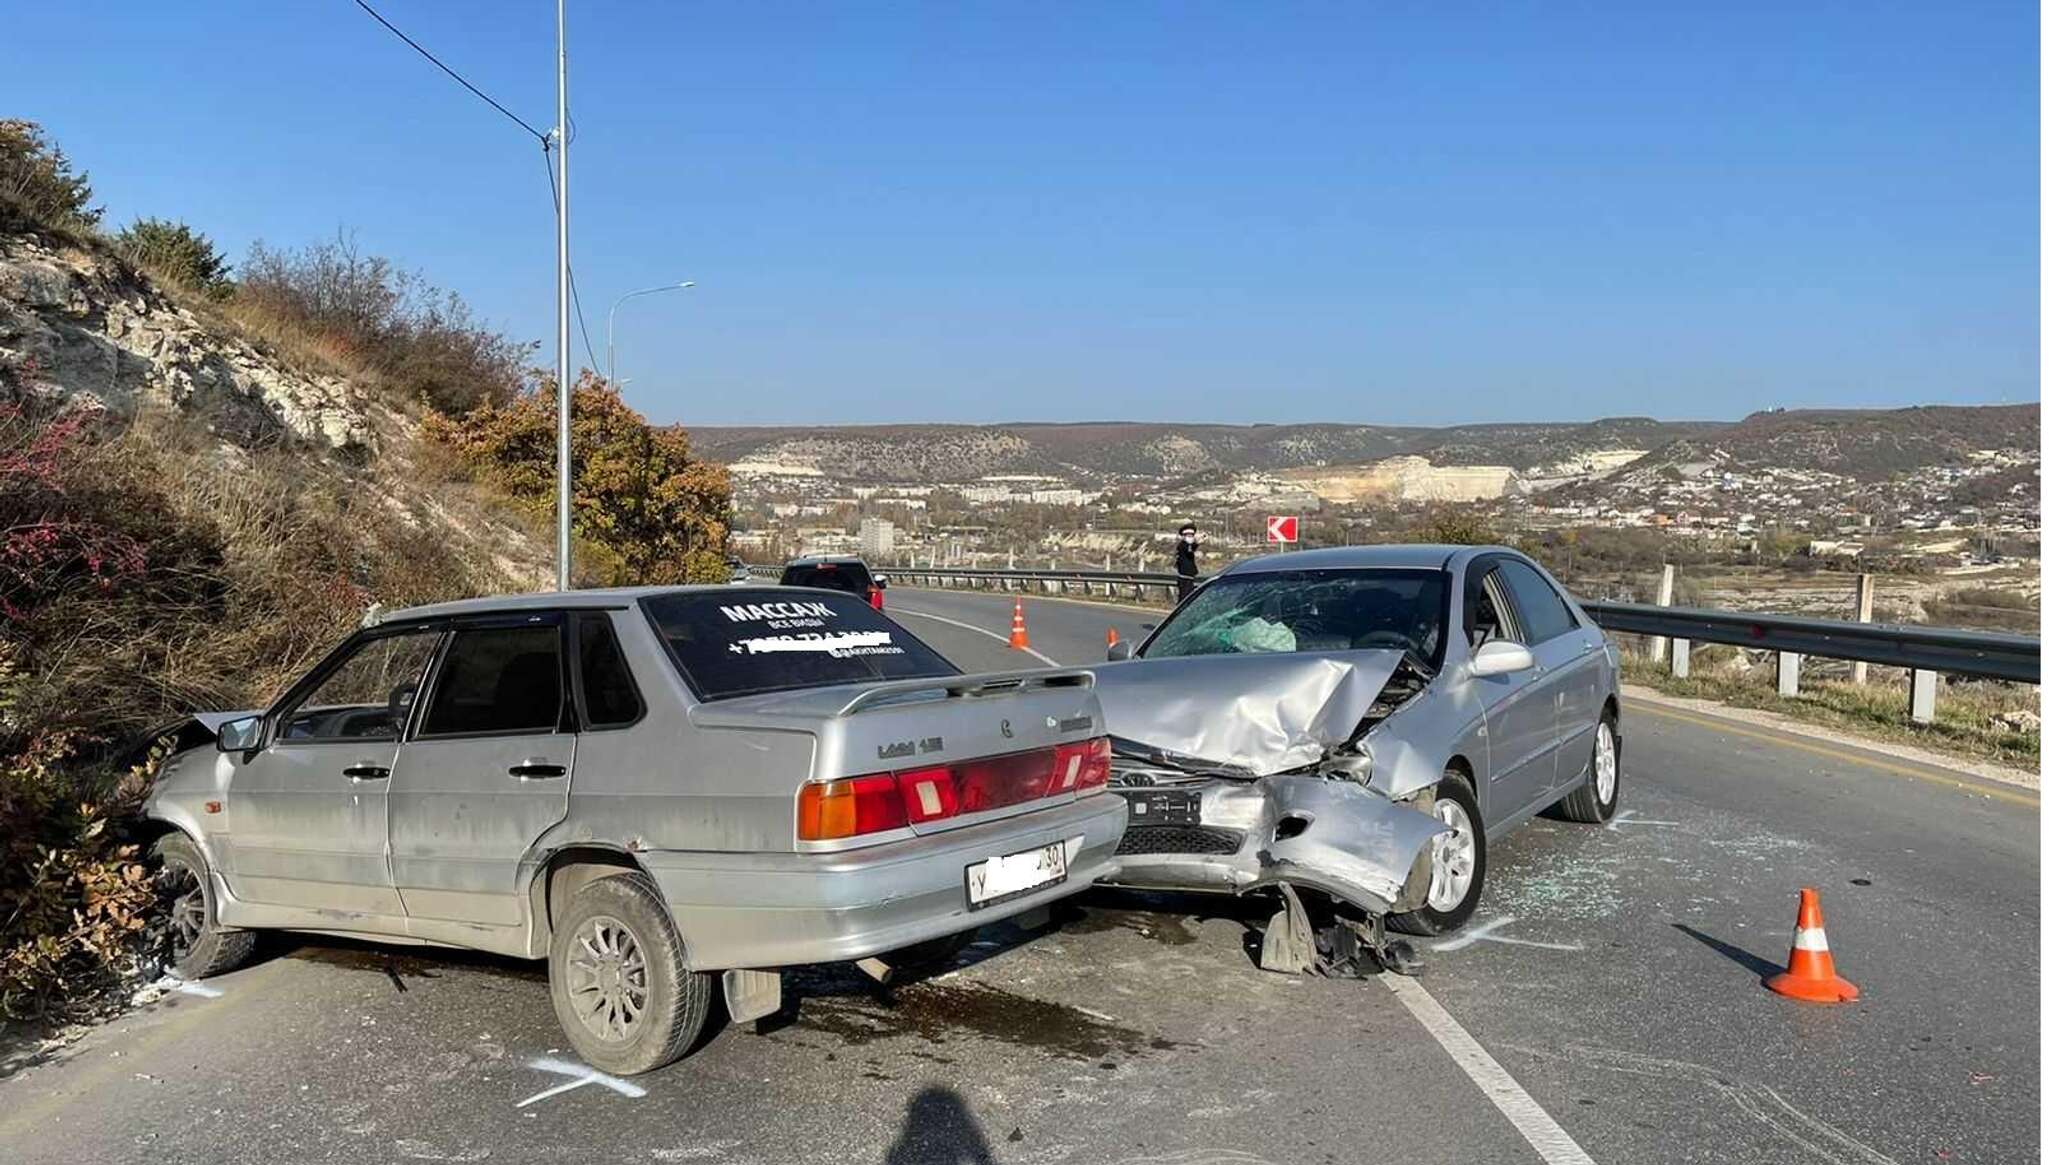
(1004, 877)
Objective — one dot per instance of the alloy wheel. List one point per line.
(1453, 856)
(608, 979)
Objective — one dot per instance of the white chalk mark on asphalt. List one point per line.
(189, 987)
(582, 1074)
(1626, 817)
(1812, 1135)
(1487, 930)
(969, 627)
(1547, 1138)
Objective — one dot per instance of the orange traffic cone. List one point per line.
(1811, 975)
(1113, 638)
(1018, 634)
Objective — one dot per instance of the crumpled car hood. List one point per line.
(1241, 714)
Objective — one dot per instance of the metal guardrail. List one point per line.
(1947, 650)
(1926, 651)
(1106, 583)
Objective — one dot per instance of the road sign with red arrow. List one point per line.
(1284, 528)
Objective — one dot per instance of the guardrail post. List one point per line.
(1921, 696)
(1787, 673)
(1680, 658)
(1663, 594)
(1860, 671)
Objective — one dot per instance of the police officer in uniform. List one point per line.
(1183, 561)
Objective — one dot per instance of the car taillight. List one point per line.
(850, 808)
(877, 598)
(1083, 766)
(872, 804)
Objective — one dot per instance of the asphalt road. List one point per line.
(1622, 997)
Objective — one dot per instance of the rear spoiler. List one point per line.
(963, 688)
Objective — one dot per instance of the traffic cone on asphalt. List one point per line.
(1113, 638)
(1018, 634)
(1811, 974)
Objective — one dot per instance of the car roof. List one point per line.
(830, 559)
(1408, 556)
(595, 598)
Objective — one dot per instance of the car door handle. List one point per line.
(367, 773)
(535, 770)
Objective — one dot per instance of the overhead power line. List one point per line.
(582, 325)
(465, 83)
(546, 141)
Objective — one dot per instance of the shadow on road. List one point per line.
(1763, 967)
(939, 1130)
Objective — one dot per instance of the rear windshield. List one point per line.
(740, 642)
(853, 577)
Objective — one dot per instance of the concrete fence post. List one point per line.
(1787, 673)
(1663, 593)
(1680, 658)
(1921, 696)
(1860, 671)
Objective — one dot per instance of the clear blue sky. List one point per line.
(1377, 212)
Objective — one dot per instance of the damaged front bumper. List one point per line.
(1237, 835)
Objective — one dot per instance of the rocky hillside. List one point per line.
(1124, 448)
(80, 326)
(1866, 444)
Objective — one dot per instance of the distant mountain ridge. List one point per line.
(1868, 443)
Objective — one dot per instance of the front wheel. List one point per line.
(617, 972)
(199, 947)
(1597, 800)
(1457, 858)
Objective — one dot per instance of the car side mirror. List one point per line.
(239, 735)
(1500, 657)
(1120, 650)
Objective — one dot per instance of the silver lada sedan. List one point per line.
(657, 790)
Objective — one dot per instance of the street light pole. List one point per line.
(611, 326)
(561, 469)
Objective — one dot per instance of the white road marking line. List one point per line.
(969, 627)
(583, 1074)
(1626, 817)
(1547, 1138)
(1487, 930)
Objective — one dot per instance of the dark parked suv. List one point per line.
(836, 573)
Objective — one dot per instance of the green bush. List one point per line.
(425, 343)
(38, 187)
(177, 252)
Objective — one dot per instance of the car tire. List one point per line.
(622, 988)
(200, 947)
(1451, 901)
(1589, 802)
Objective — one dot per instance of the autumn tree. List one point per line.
(647, 510)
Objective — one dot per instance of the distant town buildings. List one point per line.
(875, 538)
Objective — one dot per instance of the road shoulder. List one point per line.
(1778, 723)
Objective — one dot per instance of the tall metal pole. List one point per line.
(562, 508)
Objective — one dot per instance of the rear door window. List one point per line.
(1544, 614)
(829, 576)
(610, 698)
(740, 642)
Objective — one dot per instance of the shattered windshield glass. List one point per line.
(1310, 610)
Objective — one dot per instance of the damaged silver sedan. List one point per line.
(1350, 729)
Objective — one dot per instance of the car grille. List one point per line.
(1179, 839)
